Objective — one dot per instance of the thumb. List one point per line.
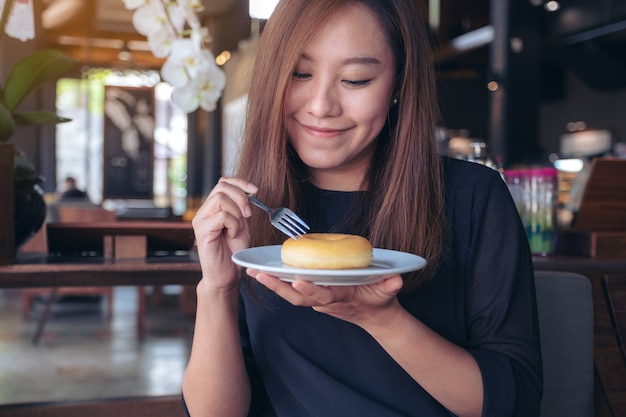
(392, 285)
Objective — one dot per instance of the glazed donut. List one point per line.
(327, 251)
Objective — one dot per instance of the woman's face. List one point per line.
(338, 99)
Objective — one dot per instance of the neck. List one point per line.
(336, 181)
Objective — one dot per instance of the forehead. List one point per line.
(353, 29)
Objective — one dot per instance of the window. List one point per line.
(80, 143)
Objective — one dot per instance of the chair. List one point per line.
(565, 309)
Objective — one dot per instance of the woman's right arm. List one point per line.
(215, 382)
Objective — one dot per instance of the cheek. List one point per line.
(371, 115)
(293, 99)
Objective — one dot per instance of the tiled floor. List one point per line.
(83, 355)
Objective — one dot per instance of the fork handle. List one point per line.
(257, 203)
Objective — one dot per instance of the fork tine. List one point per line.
(294, 216)
(295, 224)
(283, 219)
(294, 228)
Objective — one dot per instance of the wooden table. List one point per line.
(36, 270)
(41, 270)
(159, 406)
(584, 266)
(608, 278)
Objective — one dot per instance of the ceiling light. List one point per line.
(552, 6)
(569, 165)
(473, 39)
(262, 9)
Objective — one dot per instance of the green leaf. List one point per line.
(33, 71)
(7, 124)
(36, 118)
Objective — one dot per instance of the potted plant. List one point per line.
(25, 77)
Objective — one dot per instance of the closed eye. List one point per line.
(300, 75)
(356, 83)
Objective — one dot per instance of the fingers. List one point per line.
(226, 183)
(307, 293)
(240, 183)
(224, 209)
(318, 295)
(233, 190)
(290, 291)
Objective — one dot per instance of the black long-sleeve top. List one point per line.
(304, 363)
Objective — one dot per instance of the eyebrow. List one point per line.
(362, 60)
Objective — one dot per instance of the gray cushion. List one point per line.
(565, 309)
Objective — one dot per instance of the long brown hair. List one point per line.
(404, 209)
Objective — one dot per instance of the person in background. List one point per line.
(341, 128)
(72, 192)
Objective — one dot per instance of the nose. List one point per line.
(323, 101)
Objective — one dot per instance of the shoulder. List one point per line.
(460, 174)
(476, 185)
(457, 171)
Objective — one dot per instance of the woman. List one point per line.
(341, 129)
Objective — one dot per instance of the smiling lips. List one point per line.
(322, 132)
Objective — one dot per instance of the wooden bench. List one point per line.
(162, 406)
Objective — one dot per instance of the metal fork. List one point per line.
(283, 219)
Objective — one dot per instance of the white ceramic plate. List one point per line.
(385, 263)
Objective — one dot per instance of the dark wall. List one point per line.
(464, 105)
(599, 109)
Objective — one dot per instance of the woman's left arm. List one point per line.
(446, 371)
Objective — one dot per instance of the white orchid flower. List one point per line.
(203, 91)
(197, 80)
(211, 83)
(196, 5)
(186, 98)
(189, 13)
(161, 42)
(177, 16)
(150, 18)
(184, 62)
(175, 32)
(200, 35)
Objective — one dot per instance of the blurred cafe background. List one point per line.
(535, 89)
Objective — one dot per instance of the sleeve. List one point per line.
(259, 396)
(503, 331)
(184, 404)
